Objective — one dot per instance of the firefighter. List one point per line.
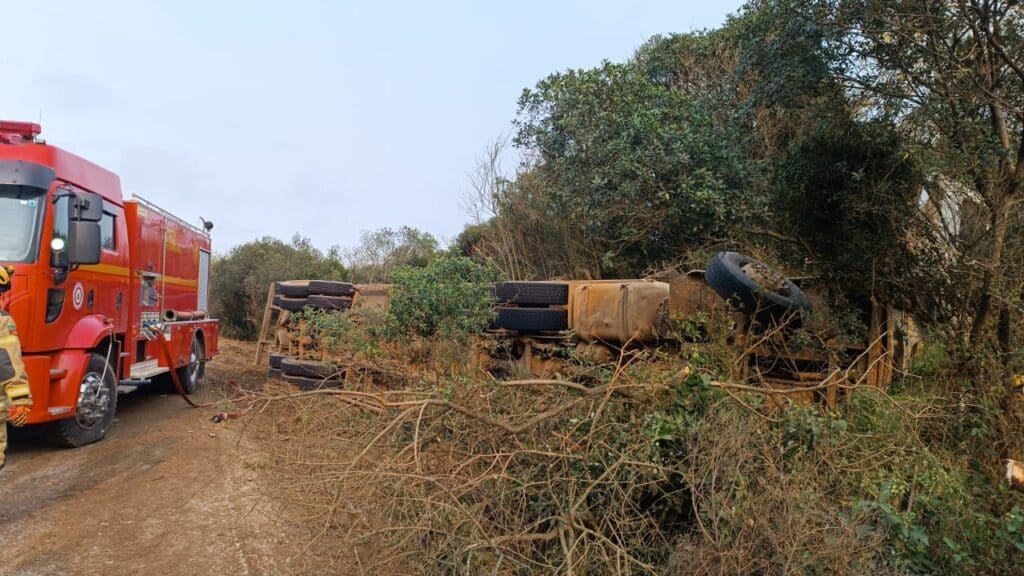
(14, 393)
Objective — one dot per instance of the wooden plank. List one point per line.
(268, 311)
(874, 343)
(888, 362)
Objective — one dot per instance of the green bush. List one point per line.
(450, 297)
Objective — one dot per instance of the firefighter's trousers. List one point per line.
(13, 382)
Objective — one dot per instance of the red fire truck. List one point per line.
(99, 281)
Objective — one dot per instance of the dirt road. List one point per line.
(167, 492)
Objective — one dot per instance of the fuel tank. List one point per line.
(617, 311)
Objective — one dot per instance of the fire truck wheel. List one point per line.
(96, 405)
(755, 288)
(190, 373)
(532, 293)
(329, 288)
(531, 319)
(292, 288)
(290, 304)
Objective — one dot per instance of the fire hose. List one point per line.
(166, 351)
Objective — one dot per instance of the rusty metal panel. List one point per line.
(690, 295)
(617, 311)
(371, 295)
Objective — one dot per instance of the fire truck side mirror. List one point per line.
(83, 242)
(87, 207)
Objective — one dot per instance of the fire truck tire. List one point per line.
(292, 288)
(96, 407)
(304, 383)
(275, 360)
(756, 289)
(190, 374)
(306, 369)
(531, 319)
(290, 304)
(320, 302)
(330, 288)
(532, 293)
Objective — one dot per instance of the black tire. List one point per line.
(532, 293)
(320, 302)
(307, 369)
(290, 304)
(275, 360)
(274, 373)
(292, 288)
(190, 374)
(330, 288)
(739, 279)
(304, 383)
(531, 319)
(89, 425)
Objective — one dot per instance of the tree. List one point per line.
(239, 279)
(950, 75)
(639, 169)
(381, 251)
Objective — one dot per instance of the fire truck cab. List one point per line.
(99, 281)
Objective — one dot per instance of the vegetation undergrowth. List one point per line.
(651, 465)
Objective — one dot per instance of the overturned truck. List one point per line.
(563, 327)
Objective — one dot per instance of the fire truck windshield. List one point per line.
(21, 218)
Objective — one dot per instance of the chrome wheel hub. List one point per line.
(93, 401)
(193, 367)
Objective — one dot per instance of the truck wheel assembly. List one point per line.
(532, 319)
(304, 383)
(321, 302)
(190, 373)
(755, 288)
(290, 304)
(314, 301)
(292, 288)
(532, 293)
(330, 288)
(97, 403)
(309, 369)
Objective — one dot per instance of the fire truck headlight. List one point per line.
(57, 244)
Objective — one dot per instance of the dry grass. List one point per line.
(647, 470)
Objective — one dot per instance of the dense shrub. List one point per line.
(450, 297)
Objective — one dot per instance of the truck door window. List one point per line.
(21, 211)
(108, 231)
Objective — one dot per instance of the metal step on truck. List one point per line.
(108, 294)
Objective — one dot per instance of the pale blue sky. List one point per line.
(325, 118)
